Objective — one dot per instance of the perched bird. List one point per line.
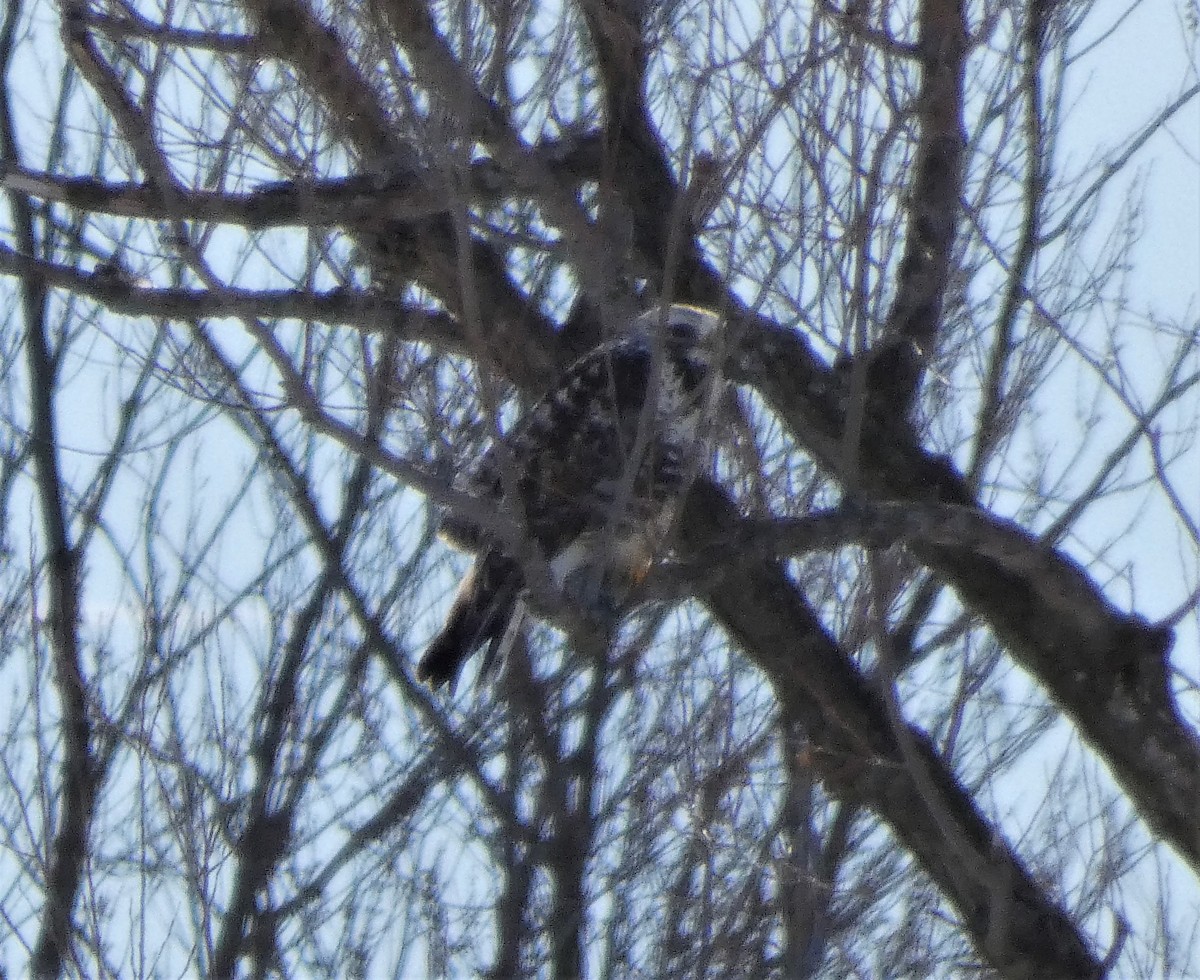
(592, 473)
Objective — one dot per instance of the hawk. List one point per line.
(592, 473)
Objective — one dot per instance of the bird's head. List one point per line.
(690, 331)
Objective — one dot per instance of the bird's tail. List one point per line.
(479, 614)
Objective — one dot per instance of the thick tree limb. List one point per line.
(356, 203)
(425, 251)
(1110, 679)
(915, 317)
(861, 758)
(107, 284)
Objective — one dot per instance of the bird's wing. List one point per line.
(571, 447)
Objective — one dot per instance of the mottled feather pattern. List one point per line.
(574, 474)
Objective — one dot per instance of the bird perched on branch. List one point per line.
(592, 473)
